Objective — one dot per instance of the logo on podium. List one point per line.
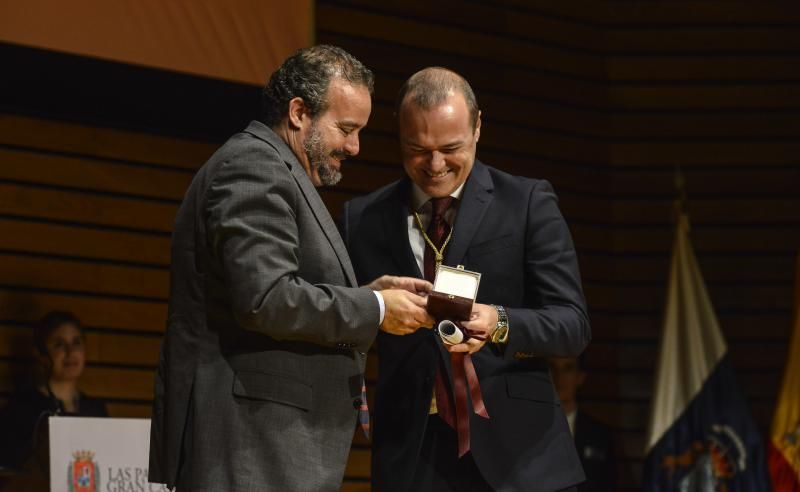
(83, 474)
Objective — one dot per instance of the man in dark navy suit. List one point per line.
(592, 438)
(510, 432)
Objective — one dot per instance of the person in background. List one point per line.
(60, 355)
(592, 439)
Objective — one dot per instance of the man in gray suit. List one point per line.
(261, 374)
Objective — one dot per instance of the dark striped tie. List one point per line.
(452, 405)
(363, 409)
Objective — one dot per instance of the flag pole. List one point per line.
(680, 192)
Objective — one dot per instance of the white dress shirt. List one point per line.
(381, 305)
(420, 203)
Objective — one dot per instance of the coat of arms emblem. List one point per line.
(83, 474)
(710, 463)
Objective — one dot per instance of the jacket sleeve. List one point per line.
(253, 234)
(554, 321)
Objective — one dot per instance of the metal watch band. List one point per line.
(500, 334)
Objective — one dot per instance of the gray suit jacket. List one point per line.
(262, 362)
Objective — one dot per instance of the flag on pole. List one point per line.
(784, 445)
(701, 436)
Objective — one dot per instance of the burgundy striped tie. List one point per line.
(438, 229)
(454, 411)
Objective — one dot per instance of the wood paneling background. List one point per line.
(85, 217)
(604, 99)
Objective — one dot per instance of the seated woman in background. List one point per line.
(60, 352)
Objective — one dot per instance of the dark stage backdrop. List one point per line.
(602, 98)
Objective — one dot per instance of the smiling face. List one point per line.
(66, 354)
(438, 144)
(332, 135)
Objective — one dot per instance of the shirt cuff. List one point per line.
(382, 304)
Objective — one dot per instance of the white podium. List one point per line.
(99, 454)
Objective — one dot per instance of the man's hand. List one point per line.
(405, 312)
(483, 321)
(411, 284)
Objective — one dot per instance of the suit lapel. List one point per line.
(395, 229)
(311, 195)
(475, 201)
(325, 221)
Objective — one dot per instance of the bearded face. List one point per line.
(326, 139)
(324, 160)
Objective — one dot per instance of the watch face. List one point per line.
(499, 333)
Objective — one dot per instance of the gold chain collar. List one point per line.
(439, 253)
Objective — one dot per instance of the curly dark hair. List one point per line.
(307, 74)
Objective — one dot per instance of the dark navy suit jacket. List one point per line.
(596, 449)
(510, 229)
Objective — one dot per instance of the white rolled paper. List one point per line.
(450, 333)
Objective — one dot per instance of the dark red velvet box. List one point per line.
(454, 293)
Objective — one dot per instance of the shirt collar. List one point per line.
(420, 198)
(571, 420)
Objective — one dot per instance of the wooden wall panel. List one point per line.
(26, 305)
(84, 242)
(708, 86)
(85, 277)
(101, 175)
(723, 38)
(85, 218)
(97, 142)
(474, 43)
(621, 15)
(490, 19)
(526, 83)
(36, 202)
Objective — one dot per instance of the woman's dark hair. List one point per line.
(307, 74)
(50, 323)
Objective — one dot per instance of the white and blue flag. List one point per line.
(701, 435)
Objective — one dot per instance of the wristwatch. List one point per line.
(500, 334)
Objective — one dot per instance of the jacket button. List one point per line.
(357, 403)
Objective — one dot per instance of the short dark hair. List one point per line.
(307, 74)
(49, 323)
(431, 86)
